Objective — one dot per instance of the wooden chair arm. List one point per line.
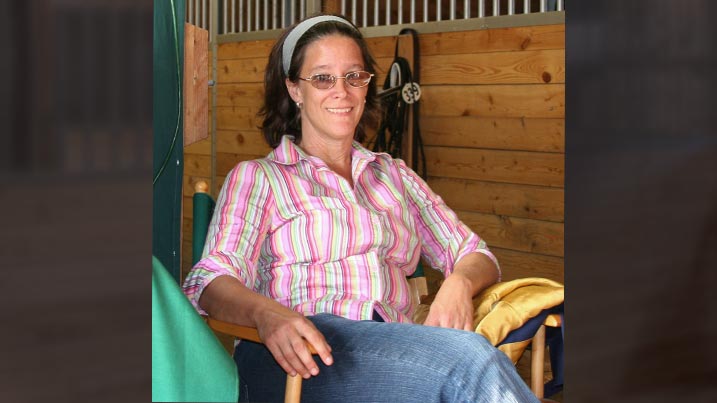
(293, 383)
(241, 332)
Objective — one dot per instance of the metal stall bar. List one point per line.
(466, 9)
(205, 18)
(543, 6)
(257, 22)
(292, 12)
(248, 15)
(511, 7)
(241, 15)
(225, 23)
(560, 5)
(388, 12)
(353, 11)
(375, 13)
(365, 13)
(496, 7)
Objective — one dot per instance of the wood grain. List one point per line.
(242, 142)
(493, 40)
(195, 93)
(520, 234)
(515, 264)
(524, 201)
(527, 101)
(526, 67)
(527, 134)
(530, 168)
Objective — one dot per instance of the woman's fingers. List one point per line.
(286, 337)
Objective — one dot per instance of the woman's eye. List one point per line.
(323, 78)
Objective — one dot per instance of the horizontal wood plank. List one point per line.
(227, 161)
(527, 67)
(241, 70)
(523, 167)
(514, 265)
(242, 142)
(525, 201)
(496, 133)
(520, 234)
(529, 101)
(237, 118)
(197, 165)
(244, 94)
(493, 40)
(382, 46)
(245, 49)
(202, 147)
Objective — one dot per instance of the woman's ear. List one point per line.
(294, 91)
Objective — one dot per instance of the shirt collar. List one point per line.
(287, 153)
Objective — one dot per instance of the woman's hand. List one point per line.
(285, 333)
(453, 305)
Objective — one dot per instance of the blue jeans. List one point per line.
(389, 362)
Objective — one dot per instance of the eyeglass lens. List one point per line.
(355, 79)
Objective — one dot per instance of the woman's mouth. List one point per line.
(339, 110)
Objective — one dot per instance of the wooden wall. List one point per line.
(493, 124)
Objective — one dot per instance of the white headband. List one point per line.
(287, 51)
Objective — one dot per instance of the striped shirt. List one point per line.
(289, 228)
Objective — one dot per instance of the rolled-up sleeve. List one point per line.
(239, 225)
(444, 238)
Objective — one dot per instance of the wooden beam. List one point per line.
(196, 88)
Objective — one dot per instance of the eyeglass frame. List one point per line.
(335, 79)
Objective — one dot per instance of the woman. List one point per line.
(314, 243)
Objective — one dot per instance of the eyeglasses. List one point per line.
(356, 79)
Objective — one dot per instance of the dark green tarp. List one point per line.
(168, 145)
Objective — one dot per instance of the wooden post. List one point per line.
(537, 362)
(196, 84)
(293, 389)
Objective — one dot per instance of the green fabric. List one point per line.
(167, 124)
(419, 271)
(189, 364)
(202, 215)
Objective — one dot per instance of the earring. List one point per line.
(299, 105)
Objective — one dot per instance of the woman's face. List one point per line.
(330, 114)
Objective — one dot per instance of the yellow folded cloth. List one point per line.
(504, 307)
